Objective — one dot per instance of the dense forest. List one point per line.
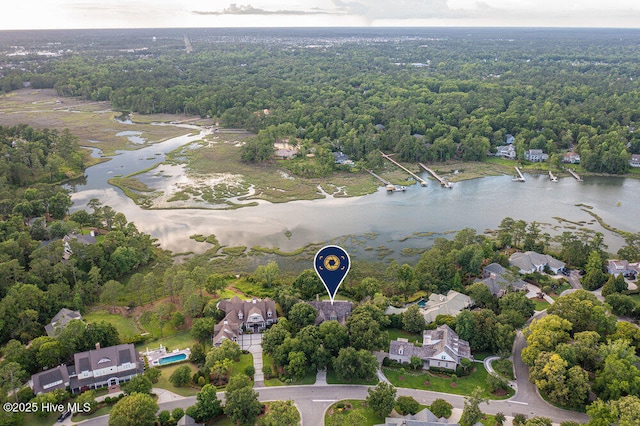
(426, 95)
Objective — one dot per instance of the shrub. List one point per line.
(441, 408)
(250, 370)
(177, 413)
(406, 405)
(25, 395)
(519, 419)
(267, 371)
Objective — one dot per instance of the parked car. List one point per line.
(63, 416)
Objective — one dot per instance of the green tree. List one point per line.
(268, 274)
(281, 413)
(352, 364)
(138, 384)
(441, 408)
(181, 376)
(301, 315)
(334, 336)
(242, 406)
(308, 284)
(413, 320)
(207, 406)
(297, 367)
(381, 399)
(471, 413)
(88, 398)
(11, 376)
(407, 405)
(543, 335)
(137, 409)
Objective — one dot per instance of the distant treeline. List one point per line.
(425, 99)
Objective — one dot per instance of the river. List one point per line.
(379, 219)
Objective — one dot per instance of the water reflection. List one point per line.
(395, 218)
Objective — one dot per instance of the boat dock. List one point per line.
(575, 175)
(552, 178)
(518, 179)
(445, 183)
(388, 185)
(415, 176)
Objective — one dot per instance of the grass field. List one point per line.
(358, 406)
(126, 326)
(541, 305)
(395, 333)
(164, 383)
(439, 383)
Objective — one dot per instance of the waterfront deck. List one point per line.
(445, 183)
(575, 175)
(520, 178)
(415, 176)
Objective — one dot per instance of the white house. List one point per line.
(441, 348)
(530, 261)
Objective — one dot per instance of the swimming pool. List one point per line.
(172, 358)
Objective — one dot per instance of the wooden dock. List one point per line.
(415, 176)
(445, 183)
(575, 175)
(552, 177)
(518, 179)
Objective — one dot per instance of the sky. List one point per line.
(62, 14)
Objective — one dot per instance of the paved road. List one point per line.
(312, 401)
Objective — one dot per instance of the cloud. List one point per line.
(234, 9)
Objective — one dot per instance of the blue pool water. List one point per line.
(422, 303)
(172, 358)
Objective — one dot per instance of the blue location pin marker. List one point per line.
(332, 264)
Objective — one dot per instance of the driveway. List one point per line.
(253, 344)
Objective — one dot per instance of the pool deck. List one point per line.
(155, 355)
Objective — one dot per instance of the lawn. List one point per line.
(541, 305)
(126, 326)
(503, 367)
(333, 379)
(395, 333)
(440, 383)
(239, 367)
(164, 383)
(358, 406)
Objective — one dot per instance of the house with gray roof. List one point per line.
(60, 321)
(440, 348)
(635, 160)
(255, 314)
(91, 370)
(50, 380)
(535, 155)
(450, 304)
(339, 310)
(500, 280)
(226, 330)
(530, 261)
(421, 418)
(506, 151)
(616, 267)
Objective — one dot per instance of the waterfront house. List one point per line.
(628, 270)
(535, 155)
(92, 369)
(530, 261)
(450, 304)
(255, 314)
(500, 280)
(635, 160)
(339, 310)
(60, 321)
(441, 348)
(571, 157)
(506, 151)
